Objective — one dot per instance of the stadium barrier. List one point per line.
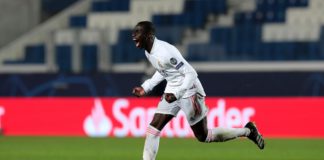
(128, 117)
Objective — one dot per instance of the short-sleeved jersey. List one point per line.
(182, 79)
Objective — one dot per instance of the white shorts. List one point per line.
(194, 108)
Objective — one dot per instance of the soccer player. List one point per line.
(183, 91)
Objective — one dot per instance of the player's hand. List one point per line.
(169, 97)
(138, 91)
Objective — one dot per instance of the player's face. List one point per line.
(138, 36)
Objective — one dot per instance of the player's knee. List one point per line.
(154, 124)
(160, 120)
(158, 124)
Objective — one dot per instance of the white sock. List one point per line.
(151, 145)
(224, 134)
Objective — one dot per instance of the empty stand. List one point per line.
(110, 5)
(275, 30)
(34, 54)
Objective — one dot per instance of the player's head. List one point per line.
(143, 34)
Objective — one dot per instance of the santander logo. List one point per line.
(2, 112)
(97, 124)
(135, 121)
(229, 116)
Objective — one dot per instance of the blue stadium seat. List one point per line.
(182, 20)
(125, 36)
(313, 51)
(78, 21)
(124, 50)
(110, 5)
(287, 50)
(220, 35)
(63, 56)
(320, 44)
(205, 52)
(35, 54)
(301, 51)
(116, 54)
(298, 3)
(89, 58)
(125, 53)
(206, 6)
(170, 34)
(271, 5)
(243, 41)
(52, 6)
(195, 53)
(194, 15)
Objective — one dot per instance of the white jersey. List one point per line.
(181, 78)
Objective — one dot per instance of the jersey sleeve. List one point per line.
(184, 68)
(149, 84)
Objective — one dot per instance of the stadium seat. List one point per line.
(89, 58)
(194, 15)
(206, 52)
(34, 54)
(53, 6)
(244, 40)
(110, 5)
(78, 21)
(170, 34)
(63, 56)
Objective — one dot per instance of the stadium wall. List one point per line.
(231, 84)
(17, 17)
(99, 104)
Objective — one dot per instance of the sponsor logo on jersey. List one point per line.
(179, 65)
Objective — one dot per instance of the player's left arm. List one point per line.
(149, 84)
(190, 75)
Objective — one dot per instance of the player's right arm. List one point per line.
(148, 85)
(138, 92)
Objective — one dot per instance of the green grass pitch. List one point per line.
(81, 148)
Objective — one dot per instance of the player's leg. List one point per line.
(198, 123)
(224, 134)
(160, 120)
(152, 140)
(163, 114)
(200, 130)
(255, 136)
(203, 134)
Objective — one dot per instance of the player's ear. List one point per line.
(147, 37)
(150, 37)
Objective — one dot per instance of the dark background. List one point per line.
(121, 84)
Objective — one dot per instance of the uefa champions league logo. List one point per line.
(97, 124)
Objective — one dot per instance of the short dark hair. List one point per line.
(148, 27)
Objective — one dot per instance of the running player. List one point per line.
(183, 91)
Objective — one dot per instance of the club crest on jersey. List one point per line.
(159, 63)
(173, 61)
